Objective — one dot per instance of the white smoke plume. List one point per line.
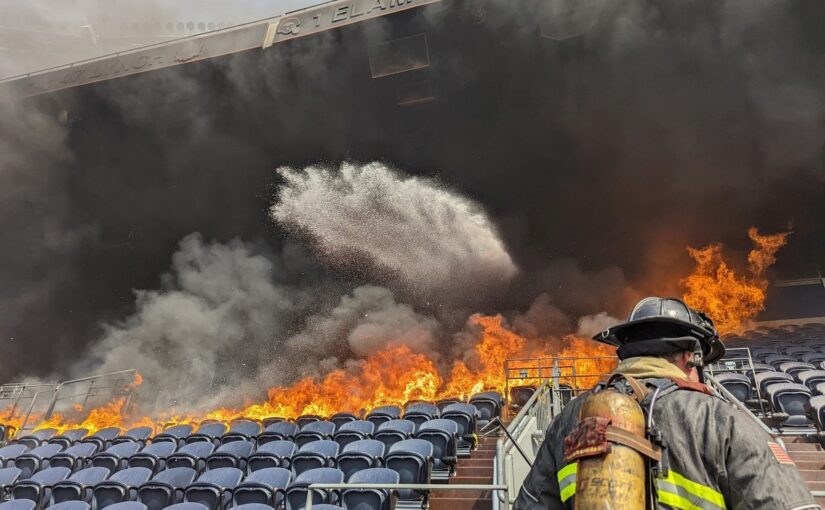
(590, 325)
(435, 240)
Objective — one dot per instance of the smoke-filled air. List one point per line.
(298, 230)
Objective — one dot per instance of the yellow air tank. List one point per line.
(618, 479)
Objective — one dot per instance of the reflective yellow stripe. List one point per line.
(567, 481)
(675, 501)
(567, 470)
(687, 494)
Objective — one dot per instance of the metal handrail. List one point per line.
(402, 486)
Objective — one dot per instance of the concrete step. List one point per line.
(475, 462)
(481, 454)
(442, 503)
(472, 480)
(474, 471)
(815, 486)
(803, 447)
(812, 476)
(810, 465)
(807, 456)
(469, 494)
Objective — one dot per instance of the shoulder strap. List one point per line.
(639, 389)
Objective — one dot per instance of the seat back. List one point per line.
(412, 460)
(121, 486)
(738, 384)
(296, 493)
(369, 499)
(273, 454)
(264, 486)
(353, 431)
(212, 486)
(384, 413)
(241, 430)
(441, 434)
(79, 485)
(192, 455)
(166, 488)
(316, 454)
(341, 418)
(231, 454)
(359, 455)
(282, 430)
(793, 399)
(391, 431)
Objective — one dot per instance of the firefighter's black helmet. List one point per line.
(659, 326)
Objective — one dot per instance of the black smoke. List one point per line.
(598, 157)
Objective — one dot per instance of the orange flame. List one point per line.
(731, 299)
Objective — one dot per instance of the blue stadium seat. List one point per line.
(393, 431)
(765, 379)
(134, 435)
(209, 432)
(420, 412)
(69, 437)
(103, 438)
(231, 454)
(353, 431)
(738, 384)
(214, 488)
(31, 462)
(296, 493)
(341, 418)
(271, 420)
(811, 378)
(253, 506)
(36, 438)
(794, 367)
(18, 504)
(192, 455)
(315, 454)
(370, 499)
(443, 435)
(187, 506)
(817, 412)
(127, 505)
(272, 454)
(121, 486)
(153, 456)
(384, 413)
(8, 477)
(777, 359)
(79, 486)
(38, 487)
(241, 430)
(314, 431)
(116, 457)
(412, 459)
(71, 505)
(166, 488)
(793, 399)
(177, 434)
(520, 395)
(489, 405)
(464, 415)
(444, 402)
(11, 452)
(278, 431)
(265, 486)
(74, 457)
(362, 454)
(304, 420)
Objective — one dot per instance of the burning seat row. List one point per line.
(221, 466)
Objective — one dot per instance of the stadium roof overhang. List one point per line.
(255, 35)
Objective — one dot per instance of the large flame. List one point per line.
(732, 299)
(394, 375)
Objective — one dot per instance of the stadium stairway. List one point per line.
(810, 460)
(477, 470)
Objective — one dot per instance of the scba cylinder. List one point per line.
(618, 479)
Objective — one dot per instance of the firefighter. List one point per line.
(714, 456)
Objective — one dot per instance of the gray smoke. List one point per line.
(435, 240)
(221, 307)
